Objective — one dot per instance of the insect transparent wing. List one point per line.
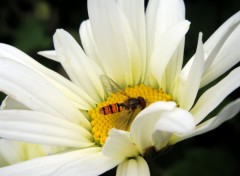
(110, 85)
(125, 118)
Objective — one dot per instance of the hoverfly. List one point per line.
(127, 109)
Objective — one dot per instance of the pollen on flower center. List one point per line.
(119, 110)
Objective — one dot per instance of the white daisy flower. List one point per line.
(128, 97)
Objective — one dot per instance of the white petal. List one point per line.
(173, 69)
(136, 166)
(9, 52)
(133, 10)
(119, 144)
(146, 120)
(175, 121)
(36, 92)
(160, 16)
(74, 93)
(82, 70)
(50, 55)
(50, 164)
(115, 41)
(165, 47)
(215, 95)
(15, 152)
(166, 14)
(227, 113)
(10, 103)
(89, 43)
(40, 128)
(91, 164)
(224, 31)
(190, 78)
(222, 49)
(3, 162)
(160, 139)
(10, 151)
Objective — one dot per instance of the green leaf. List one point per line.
(204, 162)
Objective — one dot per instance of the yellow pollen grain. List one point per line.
(102, 124)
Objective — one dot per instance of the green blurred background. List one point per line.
(29, 25)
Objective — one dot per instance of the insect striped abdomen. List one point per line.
(111, 109)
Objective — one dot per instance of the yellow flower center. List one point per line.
(120, 109)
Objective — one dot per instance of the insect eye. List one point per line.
(142, 102)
